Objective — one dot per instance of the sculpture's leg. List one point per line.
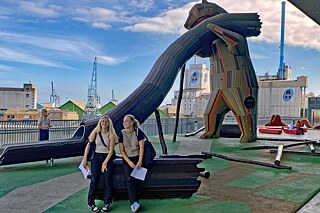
(214, 115)
(246, 118)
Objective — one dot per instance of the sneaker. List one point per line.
(106, 208)
(135, 207)
(93, 208)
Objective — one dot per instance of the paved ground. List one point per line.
(42, 196)
(312, 206)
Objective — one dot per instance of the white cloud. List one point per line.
(19, 56)
(143, 5)
(57, 44)
(96, 16)
(5, 68)
(300, 30)
(257, 56)
(40, 9)
(170, 22)
(108, 60)
(70, 49)
(101, 25)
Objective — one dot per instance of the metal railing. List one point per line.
(13, 132)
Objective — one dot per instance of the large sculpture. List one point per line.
(233, 81)
(211, 23)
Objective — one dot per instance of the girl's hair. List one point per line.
(110, 128)
(135, 122)
(42, 113)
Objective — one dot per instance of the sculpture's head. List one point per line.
(202, 11)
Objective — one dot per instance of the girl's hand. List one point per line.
(139, 164)
(104, 167)
(131, 164)
(84, 163)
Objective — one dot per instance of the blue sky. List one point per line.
(46, 40)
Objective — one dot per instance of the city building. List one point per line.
(31, 114)
(284, 97)
(196, 91)
(314, 110)
(18, 98)
(73, 105)
(108, 106)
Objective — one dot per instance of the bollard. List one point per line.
(195, 125)
(279, 154)
(312, 149)
(204, 174)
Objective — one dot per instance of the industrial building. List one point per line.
(285, 97)
(196, 91)
(32, 114)
(314, 110)
(18, 98)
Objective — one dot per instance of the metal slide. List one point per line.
(148, 96)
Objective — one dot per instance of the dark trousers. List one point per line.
(43, 134)
(132, 183)
(96, 165)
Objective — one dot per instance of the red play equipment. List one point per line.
(270, 131)
(294, 131)
(275, 121)
(305, 122)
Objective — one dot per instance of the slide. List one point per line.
(148, 96)
(44, 150)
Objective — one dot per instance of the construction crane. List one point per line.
(54, 98)
(93, 100)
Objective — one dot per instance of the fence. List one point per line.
(13, 132)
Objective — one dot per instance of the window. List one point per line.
(27, 95)
(27, 105)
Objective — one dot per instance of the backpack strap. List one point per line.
(144, 135)
(94, 140)
(101, 138)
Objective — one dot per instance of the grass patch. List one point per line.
(299, 191)
(78, 203)
(257, 179)
(12, 177)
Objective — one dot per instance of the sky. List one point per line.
(44, 41)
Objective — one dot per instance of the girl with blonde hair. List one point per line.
(105, 138)
(44, 125)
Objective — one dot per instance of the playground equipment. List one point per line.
(166, 178)
(270, 131)
(295, 131)
(275, 121)
(233, 83)
(305, 122)
(150, 94)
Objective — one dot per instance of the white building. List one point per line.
(18, 98)
(283, 97)
(286, 97)
(196, 91)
